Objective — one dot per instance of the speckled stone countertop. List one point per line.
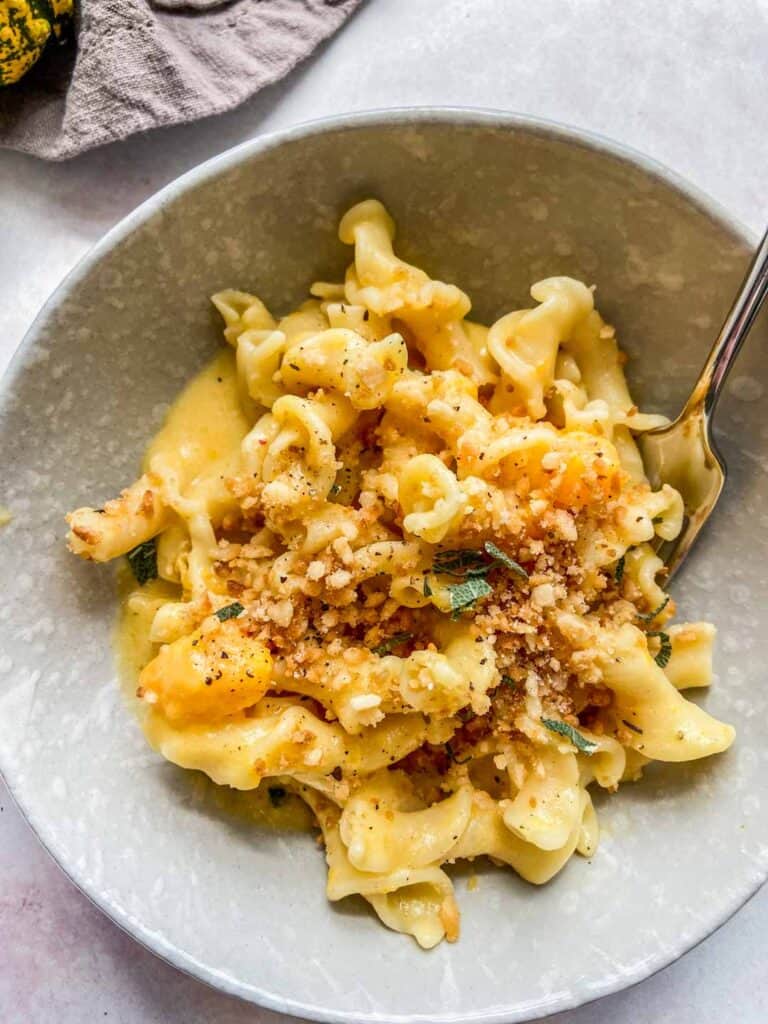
(683, 80)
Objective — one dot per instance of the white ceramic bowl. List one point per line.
(493, 202)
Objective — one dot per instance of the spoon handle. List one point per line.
(732, 334)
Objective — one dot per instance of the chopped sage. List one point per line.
(468, 563)
(143, 561)
(665, 649)
(462, 562)
(472, 567)
(464, 595)
(500, 556)
(650, 616)
(230, 611)
(394, 641)
(564, 729)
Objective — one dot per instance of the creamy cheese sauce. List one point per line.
(203, 428)
(205, 424)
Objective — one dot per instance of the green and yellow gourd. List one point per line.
(26, 27)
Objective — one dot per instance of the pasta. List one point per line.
(406, 568)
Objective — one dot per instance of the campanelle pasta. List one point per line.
(407, 569)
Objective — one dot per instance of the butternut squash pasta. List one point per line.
(402, 565)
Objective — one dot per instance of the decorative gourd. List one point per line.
(26, 26)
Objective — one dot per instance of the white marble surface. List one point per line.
(683, 80)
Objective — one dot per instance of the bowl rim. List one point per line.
(580, 993)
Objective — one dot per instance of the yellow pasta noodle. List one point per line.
(404, 565)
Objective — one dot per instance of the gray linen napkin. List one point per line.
(145, 63)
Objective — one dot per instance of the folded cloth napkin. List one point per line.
(145, 63)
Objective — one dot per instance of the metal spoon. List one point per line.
(683, 454)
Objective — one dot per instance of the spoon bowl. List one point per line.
(683, 454)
